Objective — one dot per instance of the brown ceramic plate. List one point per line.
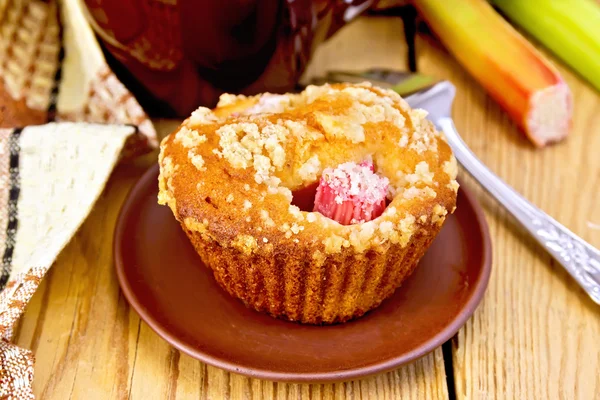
(165, 282)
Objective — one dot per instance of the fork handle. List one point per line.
(579, 258)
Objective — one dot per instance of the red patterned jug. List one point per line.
(178, 54)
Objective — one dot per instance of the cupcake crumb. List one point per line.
(189, 138)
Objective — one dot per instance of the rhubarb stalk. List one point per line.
(515, 74)
(571, 29)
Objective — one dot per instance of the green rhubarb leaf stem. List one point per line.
(569, 28)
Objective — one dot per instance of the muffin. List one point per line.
(312, 207)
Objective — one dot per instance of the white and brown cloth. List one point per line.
(65, 122)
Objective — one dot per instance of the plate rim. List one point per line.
(392, 363)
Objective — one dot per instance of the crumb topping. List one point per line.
(244, 144)
(295, 212)
(424, 136)
(310, 169)
(245, 243)
(367, 108)
(268, 221)
(453, 185)
(238, 155)
(269, 103)
(422, 174)
(413, 192)
(429, 192)
(439, 214)
(295, 228)
(250, 153)
(165, 182)
(202, 116)
(386, 227)
(189, 138)
(196, 160)
(403, 140)
(451, 169)
(262, 165)
(227, 99)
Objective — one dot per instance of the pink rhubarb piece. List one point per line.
(351, 193)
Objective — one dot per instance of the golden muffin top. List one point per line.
(231, 173)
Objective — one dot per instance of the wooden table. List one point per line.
(536, 335)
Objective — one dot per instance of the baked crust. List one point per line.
(228, 176)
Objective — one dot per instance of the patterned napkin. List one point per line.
(51, 173)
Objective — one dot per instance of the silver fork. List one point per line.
(580, 259)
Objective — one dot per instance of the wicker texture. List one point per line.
(36, 85)
(29, 48)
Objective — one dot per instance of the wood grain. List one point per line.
(535, 335)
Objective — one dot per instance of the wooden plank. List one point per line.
(536, 333)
